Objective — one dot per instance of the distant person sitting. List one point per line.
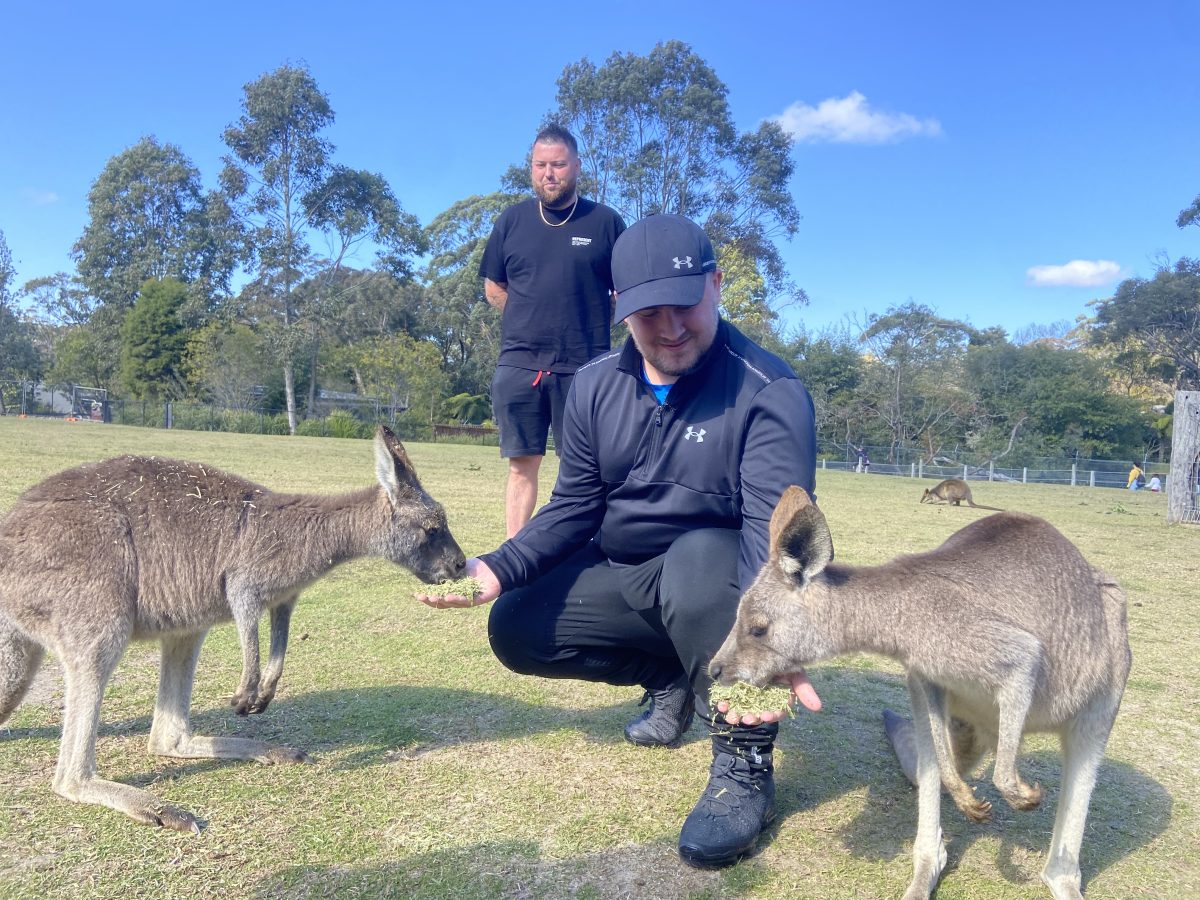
(1136, 478)
(1155, 484)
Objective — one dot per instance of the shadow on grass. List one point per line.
(504, 869)
(389, 723)
(823, 757)
(845, 747)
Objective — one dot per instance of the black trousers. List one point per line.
(595, 620)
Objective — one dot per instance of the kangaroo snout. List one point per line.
(451, 570)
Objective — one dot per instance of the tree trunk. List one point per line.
(289, 390)
(1183, 499)
(312, 381)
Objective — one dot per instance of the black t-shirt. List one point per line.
(558, 312)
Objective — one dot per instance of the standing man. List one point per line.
(675, 450)
(546, 267)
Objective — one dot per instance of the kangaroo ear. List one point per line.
(794, 499)
(800, 539)
(392, 467)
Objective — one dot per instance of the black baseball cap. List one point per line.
(660, 261)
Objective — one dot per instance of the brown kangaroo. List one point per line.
(147, 548)
(954, 491)
(1004, 627)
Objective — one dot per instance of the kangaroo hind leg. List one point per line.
(86, 672)
(171, 732)
(1083, 741)
(1014, 698)
(929, 852)
(20, 658)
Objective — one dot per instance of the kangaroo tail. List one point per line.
(20, 657)
(981, 506)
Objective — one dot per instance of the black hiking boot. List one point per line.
(668, 718)
(737, 804)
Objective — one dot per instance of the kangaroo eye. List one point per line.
(758, 631)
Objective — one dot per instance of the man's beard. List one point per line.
(674, 365)
(560, 199)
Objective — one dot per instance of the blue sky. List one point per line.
(1001, 163)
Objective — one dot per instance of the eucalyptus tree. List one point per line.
(83, 336)
(912, 380)
(458, 320)
(1190, 215)
(657, 136)
(289, 193)
(19, 355)
(150, 218)
(1046, 400)
(1163, 314)
(277, 156)
(831, 367)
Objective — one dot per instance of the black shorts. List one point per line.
(525, 404)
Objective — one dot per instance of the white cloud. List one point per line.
(40, 198)
(851, 120)
(1076, 273)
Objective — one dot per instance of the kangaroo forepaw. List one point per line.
(177, 819)
(243, 703)
(1024, 797)
(976, 810)
(277, 755)
(260, 705)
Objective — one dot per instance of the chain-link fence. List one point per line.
(910, 463)
(359, 418)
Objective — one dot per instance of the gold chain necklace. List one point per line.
(542, 213)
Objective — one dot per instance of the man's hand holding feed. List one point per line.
(479, 587)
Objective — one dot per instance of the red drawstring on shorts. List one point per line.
(539, 375)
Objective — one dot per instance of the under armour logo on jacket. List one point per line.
(686, 261)
(693, 433)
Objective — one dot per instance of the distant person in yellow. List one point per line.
(1136, 478)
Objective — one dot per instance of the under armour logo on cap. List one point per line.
(686, 261)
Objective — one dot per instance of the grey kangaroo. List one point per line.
(953, 491)
(1004, 627)
(147, 548)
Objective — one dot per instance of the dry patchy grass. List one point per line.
(438, 774)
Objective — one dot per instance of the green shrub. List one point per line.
(241, 421)
(342, 424)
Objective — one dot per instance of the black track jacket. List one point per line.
(634, 475)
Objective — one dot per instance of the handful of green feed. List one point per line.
(461, 587)
(746, 698)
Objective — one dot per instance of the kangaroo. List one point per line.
(953, 490)
(1005, 627)
(139, 547)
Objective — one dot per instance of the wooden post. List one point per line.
(1183, 502)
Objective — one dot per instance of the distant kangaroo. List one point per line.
(1005, 627)
(142, 547)
(953, 490)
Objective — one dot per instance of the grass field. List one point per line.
(438, 774)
